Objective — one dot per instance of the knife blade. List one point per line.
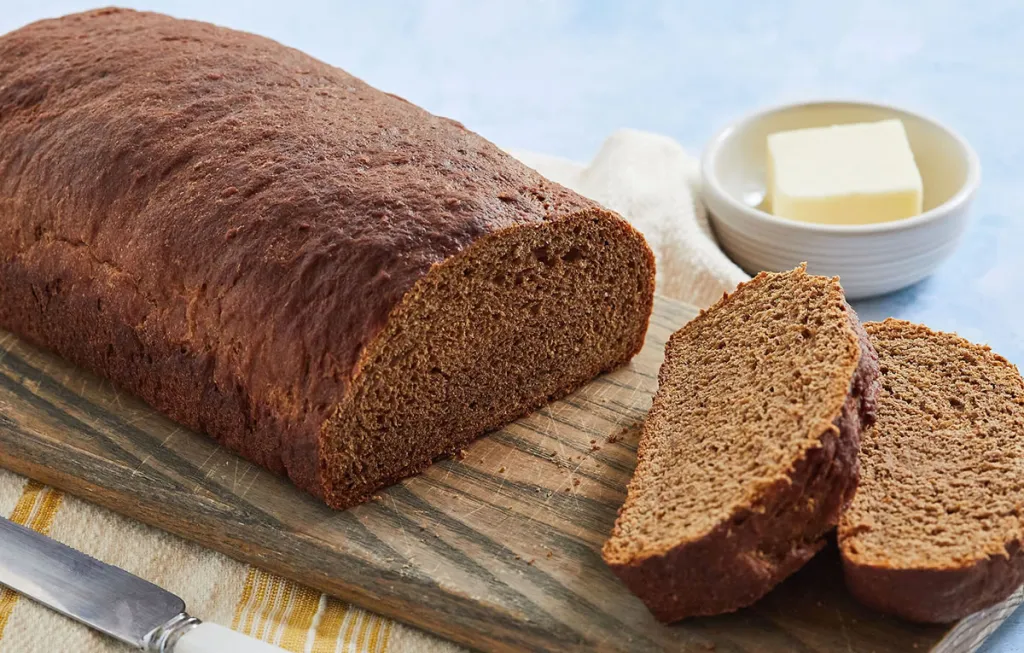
(108, 598)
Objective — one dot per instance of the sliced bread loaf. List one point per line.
(935, 530)
(749, 452)
(322, 276)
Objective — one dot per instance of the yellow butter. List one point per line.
(844, 174)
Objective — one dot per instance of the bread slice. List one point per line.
(749, 452)
(935, 530)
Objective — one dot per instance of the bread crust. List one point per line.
(222, 225)
(740, 560)
(936, 595)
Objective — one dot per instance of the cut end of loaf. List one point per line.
(748, 454)
(935, 530)
(516, 320)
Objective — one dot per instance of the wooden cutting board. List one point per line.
(498, 551)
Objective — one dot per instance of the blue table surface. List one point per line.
(559, 76)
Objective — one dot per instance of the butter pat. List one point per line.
(845, 174)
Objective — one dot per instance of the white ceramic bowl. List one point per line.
(870, 259)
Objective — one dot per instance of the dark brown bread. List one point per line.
(324, 277)
(935, 530)
(749, 452)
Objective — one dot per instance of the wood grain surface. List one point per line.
(498, 551)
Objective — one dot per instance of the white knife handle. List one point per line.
(211, 638)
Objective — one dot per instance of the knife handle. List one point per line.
(211, 638)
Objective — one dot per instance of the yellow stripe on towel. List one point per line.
(386, 636)
(254, 607)
(354, 617)
(380, 633)
(276, 610)
(277, 599)
(298, 623)
(36, 508)
(243, 601)
(327, 630)
(369, 621)
(299, 619)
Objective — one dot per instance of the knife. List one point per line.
(108, 598)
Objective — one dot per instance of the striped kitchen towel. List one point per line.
(647, 178)
(216, 588)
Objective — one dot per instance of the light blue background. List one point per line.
(559, 76)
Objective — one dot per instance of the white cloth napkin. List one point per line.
(648, 179)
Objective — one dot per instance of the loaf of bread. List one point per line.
(325, 278)
(936, 529)
(749, 452)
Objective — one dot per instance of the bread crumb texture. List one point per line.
(746, 388)
(941, 469)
